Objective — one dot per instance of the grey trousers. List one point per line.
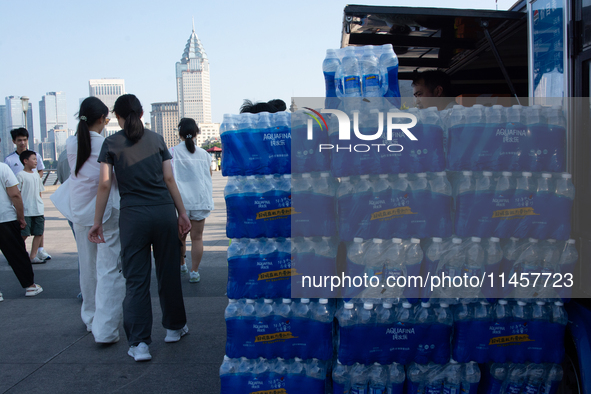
(141, 228)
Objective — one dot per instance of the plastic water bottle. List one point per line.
(503, 199)
(474, 266)
(524, 198)
(441, 335)
(396, 378)
(374, 263)
(350, 72)
(296, 367)
(434, 380)
(453, 378)
(450, 266)
(371, 80)
(501, 327)
(355, 259)
(464, 203)
(425, 319)
(340, 378)
(555, 140)
(516, 379)
(394, 265)
(432, 256)
(562, 209)
(359, 379)
(493, 255)
(329, 67)
(414, 257)
(367, 315)
(535, 379)
(553, 379)
(481, 334)
(498, 374)
(416, 379)
(316, 369)
(470, 378)
(521, 318)
(347, 315)
(385, 314)
(389, 64)
(554, 351)
(538, 328)
(462, 339)
(228, 366)
(568, 260)
(378, 379)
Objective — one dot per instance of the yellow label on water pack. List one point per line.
(507, 213)
(273, 213)
(509, 339)
(274, 337)
(387, 213)
(284, 273)
(275, 391)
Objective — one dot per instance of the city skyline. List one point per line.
(276, 52)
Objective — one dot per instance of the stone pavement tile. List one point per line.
(135, 377)
(12, 374)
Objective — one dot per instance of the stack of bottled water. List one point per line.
(366, 71)
(506, 139)
(513, 205)
(260, 268)
(313, 200)
(315, 258)
(400, 206)
(258, 206)
(306, 156)
(256, 144)
(386, 333)
(279, 328)
(374, 378)
(523, 378)
(452, 377)
(509, 332)
(244, 376)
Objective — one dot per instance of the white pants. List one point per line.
(101, 280)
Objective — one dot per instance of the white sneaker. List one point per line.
(43, 255)
(1, 297)
(37, 260)
(184, 268)
(33, 290)
(194, 277)
(175, 335)
(140, 352)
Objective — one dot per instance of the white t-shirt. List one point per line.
(31, 186)
(193, 178)
(13, 161)
(7, 178)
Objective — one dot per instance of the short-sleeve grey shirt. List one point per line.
(138, 168)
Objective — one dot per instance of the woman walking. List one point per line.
(101, 282)
(148, 220)
(192, 172)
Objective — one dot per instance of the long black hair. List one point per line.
(129, 108)
(188, 129)
(92, 109)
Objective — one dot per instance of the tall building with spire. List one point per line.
(192, 82)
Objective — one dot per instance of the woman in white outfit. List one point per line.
(101, 280)
(192, 171)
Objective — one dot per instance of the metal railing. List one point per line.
(49, 177)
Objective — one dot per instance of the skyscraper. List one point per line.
(52, 112)
(165, 119)
(192, 82)
(108, 91)
(15, 118)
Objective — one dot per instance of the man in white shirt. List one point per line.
(20, 137)
(12, 220)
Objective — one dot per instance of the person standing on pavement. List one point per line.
(20, 137)
(12, 220)
(191, 167)
(149, 196)
(101, 281)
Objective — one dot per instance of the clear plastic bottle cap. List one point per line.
(571, 241)
(367, 305)
(507, 173)
(497, 106)
(383, 176)
(387, 305)
(415, 241)
(487, 173)
(467, 173)
(444, 305)
(483, 302)
(478, 106)
(323, 301)
(406, 305)
(533, 240)
(426, 304)
(364, 177)
(475, 239)
(442, 173)
(402, 175)
(249, 301)
(305, 301)
(457, 106)
(279, 359)
(437, 239)
(226, 358)
(495, 239)
(396, 240)
(558, 303)
(551, 241)
(297, 359)
(376, 241)
(349, 305)
(306, 175)
(268, 301)
(517, 106)
(287, 176)
(326, 238)
(422, 175)
(358, 240)
(345, 179)
(502, 302)
(546, 175)
(330, 52)
(526, 174)
(514, 239)
(287, 300)
(270, 176)
(250, 177)
(540, 303)
(324, 175)
(232, 301)
(566, 176)
(457, 240)
(521, 303)
(452, 361)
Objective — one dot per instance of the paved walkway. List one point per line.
(44, 346)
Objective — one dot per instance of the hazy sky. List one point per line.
(257, 49)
